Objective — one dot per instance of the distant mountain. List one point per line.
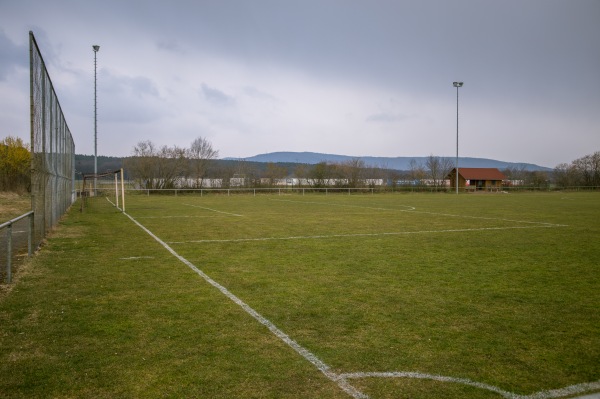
(398, 163)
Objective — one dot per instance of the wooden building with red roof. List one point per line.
(489, 179)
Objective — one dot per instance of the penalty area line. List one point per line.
(398, 233)
(213, 210)
(410, 208)
(305, 353)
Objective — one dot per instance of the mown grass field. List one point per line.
(13, 205)
(482, 296)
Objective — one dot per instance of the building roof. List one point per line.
(480, 173)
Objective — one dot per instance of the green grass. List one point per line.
(13, 205)
(498, 289)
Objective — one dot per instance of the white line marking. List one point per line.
(554, 393)
(175, 217)
(318, 363)
(213, 210)
(410, 208)
(409, 374)
(138, 257)
(488, 218)
(363, 234)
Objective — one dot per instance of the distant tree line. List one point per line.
(172, 167)
(153, 167)
(584, 171)
(165, 167)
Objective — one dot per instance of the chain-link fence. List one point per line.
(52, 149)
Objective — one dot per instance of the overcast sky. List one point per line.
(349, 77)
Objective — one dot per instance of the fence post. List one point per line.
(30, 236)
(8, 252)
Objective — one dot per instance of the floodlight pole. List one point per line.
(457, 85)
(96, 48)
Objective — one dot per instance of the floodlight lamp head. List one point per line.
(457, 84)
(96, 47)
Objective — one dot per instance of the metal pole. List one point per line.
(30, 235)
(457, 85)
(122, 191)
(96, 48)
(457, 139)
(116, 190)
(8, 253)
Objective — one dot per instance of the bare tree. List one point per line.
(142, 166)
(517, 173)
(301, 172)
(565, 175)
(274, 172)
(319, 175)
(200, 153)
(417, 171)
(157, 168)
(588, 169)
(354, 170)
(437, 169)
(171, 164)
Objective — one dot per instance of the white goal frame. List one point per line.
(93, 191)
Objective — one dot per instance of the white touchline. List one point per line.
(213, 210)
(318, 363)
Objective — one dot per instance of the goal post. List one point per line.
(107, 184)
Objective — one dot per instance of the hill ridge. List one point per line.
(398, 163)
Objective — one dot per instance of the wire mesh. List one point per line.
(52, 149)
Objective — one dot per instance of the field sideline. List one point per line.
(380, 296)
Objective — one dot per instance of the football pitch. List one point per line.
(378, 296)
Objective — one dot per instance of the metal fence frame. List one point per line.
(52, 149)
(9, 241)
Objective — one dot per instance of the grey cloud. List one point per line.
(216, 97)
(138, 86)
(12, 56)
(385, 117)
(255, 93)
(128, 99)
(171, 46)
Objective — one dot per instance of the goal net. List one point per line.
(109, 185)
